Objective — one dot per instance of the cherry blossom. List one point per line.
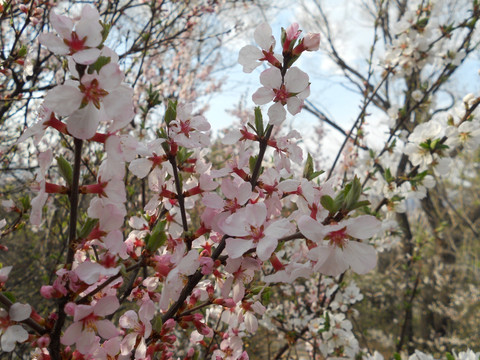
(11, 331)
(88, 319)
(338, 248)
(290, 90)
(82, 42)
(251, 56)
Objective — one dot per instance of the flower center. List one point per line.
(92, 93)
(281, 95)
(338, 238)
(75, 44)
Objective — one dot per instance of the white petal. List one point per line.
(266, 247)
(361, 257)
(13, 334)
(20, 312)
(63, 99)
(263, 96)
(294, 105)
(276, 114)
(83, 123)
(106, 306)
(296, 80)
(263, 36)
(54, 43)
(363, 227)
(237, 247)
(63, 25)
(72, 333)
(106, 329)
(87, 56)
(248, 57)
(271, 78)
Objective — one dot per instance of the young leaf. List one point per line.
(259, 122)
(66, 169)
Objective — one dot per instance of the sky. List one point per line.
(330, 92)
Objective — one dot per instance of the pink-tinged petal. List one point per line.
(266, 247)
(312, 229)
(106, 329)
(189, 263)
(82, 311)
(140, 167)
(237, 247)
(278, 228)
(294, 105)
(106, 306)
(63, 99)
(263, 96)
(37, 208)
(363, 227)
(72, 334)
(256, 214)
(141, 350)
(251, 322)
(320, 254)
(147, 311)
(276, 114)
(63, 25)
(85, 341)
(235, 225)
(54, 43)
(89, 26)
(128, 343)
(20, 312)
(228, 188)
(304, 94)
(271, 78)
(361, 257)
(87, 56)
(14, 333)
(83, 123)
(263, 36)
(128, 320)
(119, 107)
(335, 263)
(89, 272)
(248, 57)
(110, 76)
(244, 193)
(212, 201)
(296, 80)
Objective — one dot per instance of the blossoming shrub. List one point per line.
(190, 272)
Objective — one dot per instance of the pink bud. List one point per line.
(311, 41)
(70, 308)
(43, 341)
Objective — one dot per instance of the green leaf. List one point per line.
(9, 296)
(171, 112)
(25, 201)
(157, 323)
(259, 129)
(397, 356)
(251, 163)
(360, 204)
(97, 65)
(449, 356)
(87, 228)
(353, 194)
(66, 169)
(328, 203)
(23, 51)
(308, 169)
(105, 31)
(388, 176)
(266, 295)
(157, 237)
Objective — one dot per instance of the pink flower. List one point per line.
(82, 42)
(249, 229)
(98, 97)
(188, 130)
(251, 56)
(338, 248)
(290, 91)
(88, 320)
(12, 332)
